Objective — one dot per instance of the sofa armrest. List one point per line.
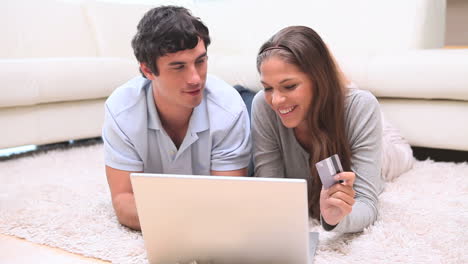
(418, 74)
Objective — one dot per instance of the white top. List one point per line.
(218, 136)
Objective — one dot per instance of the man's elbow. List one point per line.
(125, 210)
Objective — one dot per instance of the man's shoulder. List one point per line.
(222, 98)
(127, 96)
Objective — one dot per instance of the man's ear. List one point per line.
(147, 71)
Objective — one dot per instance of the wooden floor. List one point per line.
(15, 251)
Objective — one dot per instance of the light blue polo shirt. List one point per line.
(218, 136)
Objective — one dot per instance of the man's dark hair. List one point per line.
(167, 29)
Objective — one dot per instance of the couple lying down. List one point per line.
(177, 119)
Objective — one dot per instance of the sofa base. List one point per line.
(49, 123)
(441, 124)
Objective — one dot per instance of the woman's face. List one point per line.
(288, 91)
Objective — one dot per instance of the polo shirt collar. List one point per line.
(199, 120)
(153, 118)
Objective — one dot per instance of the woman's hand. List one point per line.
(337, 201)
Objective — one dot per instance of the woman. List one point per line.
(305, 114)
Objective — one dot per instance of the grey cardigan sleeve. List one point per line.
(266, 150)
(364, 128)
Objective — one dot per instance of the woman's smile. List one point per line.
(286, 110)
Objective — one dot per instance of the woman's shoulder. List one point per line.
(263, 116)
(357, 100)
(260, 107)
(362, 114)
(259, 98)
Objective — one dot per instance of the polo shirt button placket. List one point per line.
(173, 154)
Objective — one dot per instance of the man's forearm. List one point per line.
(125, 209)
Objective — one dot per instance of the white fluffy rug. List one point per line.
(61, 199)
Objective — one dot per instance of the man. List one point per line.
(174, 119)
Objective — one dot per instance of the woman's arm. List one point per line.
(363, 121)
(266, 151)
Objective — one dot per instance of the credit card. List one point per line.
(327, 169)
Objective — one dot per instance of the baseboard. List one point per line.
(59, 145)
(440, 154)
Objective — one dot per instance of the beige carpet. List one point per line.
(61, 199)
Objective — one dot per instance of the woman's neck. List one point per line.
(303, 136)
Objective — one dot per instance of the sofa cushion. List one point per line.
(235, 70)
(36, 81)
(36, 29)
(399, 75)
(418, 74)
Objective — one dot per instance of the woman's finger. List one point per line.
(347, 177)
(345, 197)
(341, 188)
(343, 206)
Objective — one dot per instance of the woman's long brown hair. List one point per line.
(303, 47)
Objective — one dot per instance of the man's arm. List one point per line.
(241, 172)
(123, 199)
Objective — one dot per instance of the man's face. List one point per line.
(182, 77)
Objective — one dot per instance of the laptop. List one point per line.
(226, 220)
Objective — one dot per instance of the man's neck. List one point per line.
(174, 119)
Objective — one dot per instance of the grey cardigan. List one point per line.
(277, 153)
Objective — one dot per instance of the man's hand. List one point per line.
(123, 199)
(337, 201)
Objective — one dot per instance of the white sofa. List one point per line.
(59, 60)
